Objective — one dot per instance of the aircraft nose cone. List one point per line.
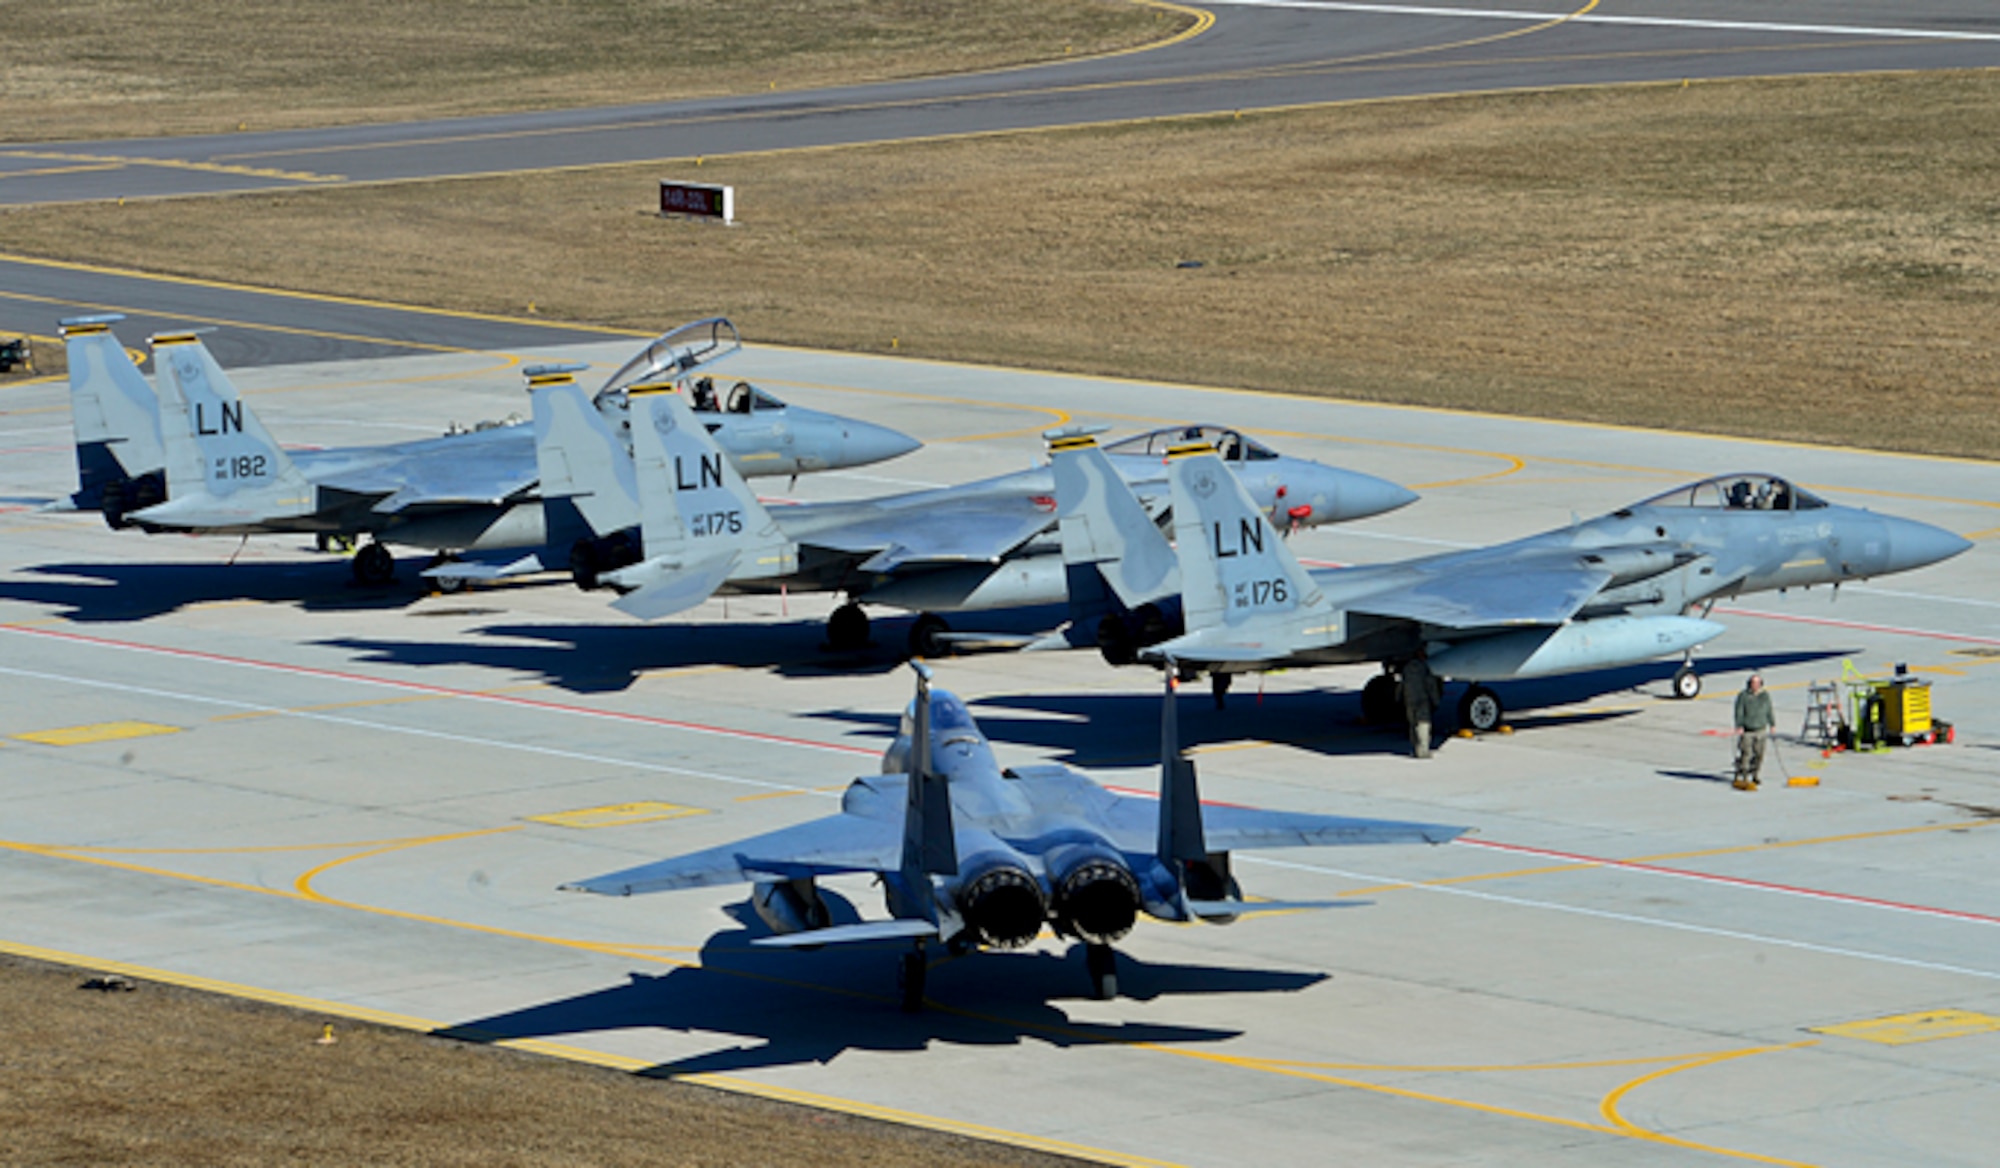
(1914, 545)
(1357, 496)
(865, 442)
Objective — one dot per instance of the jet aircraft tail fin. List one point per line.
(1234, 568)
(223, 466)
(587, 478)
(1103, 524)
(929, 842)
(695, 507)
(120, 462)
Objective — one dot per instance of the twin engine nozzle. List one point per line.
(1094, 897)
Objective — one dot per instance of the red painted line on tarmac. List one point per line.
(1857, 625)
(1738, 881)
(441, 691)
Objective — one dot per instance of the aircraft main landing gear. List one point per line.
(373, 565)
(1481, 710)
(1379, 706)
(847, 628)
(1218, 684)
(1101, 961)
(924, 636)
(910, 979)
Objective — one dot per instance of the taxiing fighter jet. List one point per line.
(976, 856)
(1611, 591)
(981, 545)
(195, 458)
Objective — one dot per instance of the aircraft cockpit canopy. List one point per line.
(1232, 445)
(1740, 492)
(740, 398)
(950, 720)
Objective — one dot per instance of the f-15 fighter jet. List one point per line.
(1607, 592)
(980, 857)
(195, 458)
(981, 545)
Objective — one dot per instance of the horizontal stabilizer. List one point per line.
(851, 934)
(673, 590)
(819, 847)
(474, 570)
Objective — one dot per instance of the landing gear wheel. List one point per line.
(1379, 706)
(847, 628)
(374, 566)
(1101, 961)
(910, 981)
(444, 584)
(1687, 683)
(924, 638)
(584, 565)
(1115, 643)
(1480, 710)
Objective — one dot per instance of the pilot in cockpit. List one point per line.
(1739, 495)
(739, 398)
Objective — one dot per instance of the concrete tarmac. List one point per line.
(226, 765)
(1247, 54)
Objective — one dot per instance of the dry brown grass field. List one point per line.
(1816, 260)
(169, 1076)
(131, 68)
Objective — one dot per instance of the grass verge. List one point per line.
(132, 68)
(1814, 260)
(170, 1076)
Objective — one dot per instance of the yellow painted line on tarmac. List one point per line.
(289, 711)
(794, 791)
(619, 815)
(1608, 1108)
(97, 732)
(1903, 1029)
(214, 986)
(310, 297)
(120, 162)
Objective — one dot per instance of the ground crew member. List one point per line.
(1421, 693)
(1753, 729)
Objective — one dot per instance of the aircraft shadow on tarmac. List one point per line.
(811, 1007)
(118, 593)
(1108, 729)
(611, 656)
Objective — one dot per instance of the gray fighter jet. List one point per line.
(980, 857)
(978, 546)
(1611, 591)
(195, 458)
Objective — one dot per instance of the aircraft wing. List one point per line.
(822, 847)
(1497, 594)
(974, 529)
(409, 483)
(1133, 823)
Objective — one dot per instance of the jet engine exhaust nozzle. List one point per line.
(1096, 898)
(1003, 906)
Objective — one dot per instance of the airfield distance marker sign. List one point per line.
(688, 200)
